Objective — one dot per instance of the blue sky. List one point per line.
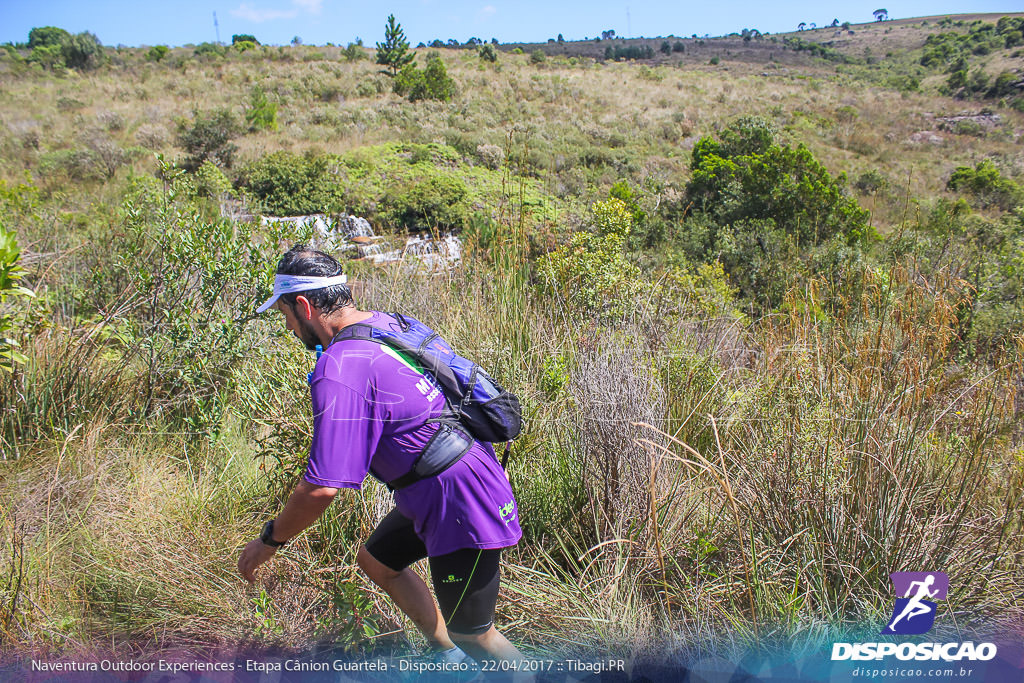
(178, 22)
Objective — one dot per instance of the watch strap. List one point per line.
(267, 537)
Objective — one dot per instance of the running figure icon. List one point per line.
(914, 613)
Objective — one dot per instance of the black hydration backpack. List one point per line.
(478, 408)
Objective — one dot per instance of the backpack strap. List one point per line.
(451, 441)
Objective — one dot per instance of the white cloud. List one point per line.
(487, 11)
(311, 6)
(259, 15)
(247, 11)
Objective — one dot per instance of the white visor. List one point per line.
(286, 284)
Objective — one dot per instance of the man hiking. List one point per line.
(374, 412)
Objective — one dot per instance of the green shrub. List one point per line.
(209, 137)
(157, 53)
(432, 83)
(986, 183)
(210, 50)
(713, 61)
(262, 113)
(287, 184)
(763, 206)
(45, 36)
(437, 201)
(210, 181)
(353, 52)
(74, 164)
(591, 271)
(10, 274)
(244, 38)
(538, 57)
(517, 51)
(487, 52)
(745, 174)
(82, 51)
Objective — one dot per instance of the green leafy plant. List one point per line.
(10, 275)
(986, 183)
(157, 53)
(591, 270)
(432, 83)
(209, 137)
(262, 113)
(487, 52)
(287, 184)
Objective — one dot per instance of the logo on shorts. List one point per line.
(914, 613)
(507, 509)
(451, 579)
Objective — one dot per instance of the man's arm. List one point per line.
(304, 506)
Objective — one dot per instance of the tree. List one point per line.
(801, 26)
(156, 53)
(394, 53)
(244, 38)
(881, 14)
(487, 53)
(560, 38)
(82, 51)
(47, 35)
(296, 41)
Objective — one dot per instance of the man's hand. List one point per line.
(255, 553)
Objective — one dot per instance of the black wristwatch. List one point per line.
(268, 536)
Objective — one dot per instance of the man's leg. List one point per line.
(386, 557)
(466, 583)
(411, 595)
(487, 645)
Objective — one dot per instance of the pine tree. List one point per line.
(394, 51)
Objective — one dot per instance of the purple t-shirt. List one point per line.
(369, 413)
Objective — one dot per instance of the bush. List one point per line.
(353, 52)
(432, 83)
(762, 204)
(157, 53)
(488, 53)
(433, 202)
(10, 274)
(47, 36)
(82, 51)
(591, 270)
(538, 56)
(54, 48)
(746, 174)
(262, 113)
(244, 38)
(986, 183)
(211, 182)
(286, 184)
(210, 50)
(209, 137)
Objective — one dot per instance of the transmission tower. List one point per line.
(216, 28)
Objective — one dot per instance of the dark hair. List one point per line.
(304, 260)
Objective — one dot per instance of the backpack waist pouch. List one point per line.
(445, 448)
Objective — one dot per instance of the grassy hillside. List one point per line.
(761, 300)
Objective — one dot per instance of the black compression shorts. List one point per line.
(465, 581)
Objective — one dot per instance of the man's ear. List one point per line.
(303, 307)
